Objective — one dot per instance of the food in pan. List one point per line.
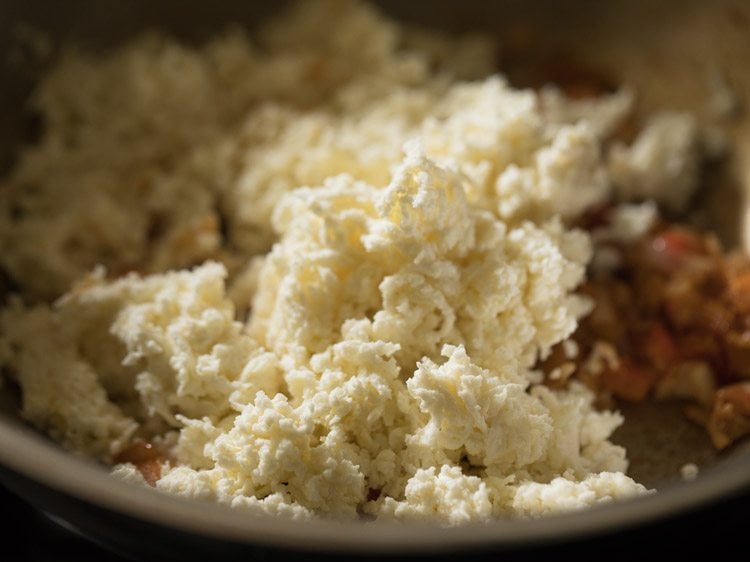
(341, 267)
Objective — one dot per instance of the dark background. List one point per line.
(718, 532)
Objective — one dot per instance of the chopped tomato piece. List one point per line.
(730, 417)
(669, 249)
(629, 380)
(138, 452)
(147, 458)
(660, 347)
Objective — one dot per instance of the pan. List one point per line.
(672, 53)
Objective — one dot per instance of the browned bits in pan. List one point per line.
(676, 315)
(146, 457)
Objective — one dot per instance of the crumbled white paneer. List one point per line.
(662, 164)
(628, 222)
(318, 268)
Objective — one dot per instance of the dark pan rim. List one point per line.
(31, 455)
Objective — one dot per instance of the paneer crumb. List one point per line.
(689, 471)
